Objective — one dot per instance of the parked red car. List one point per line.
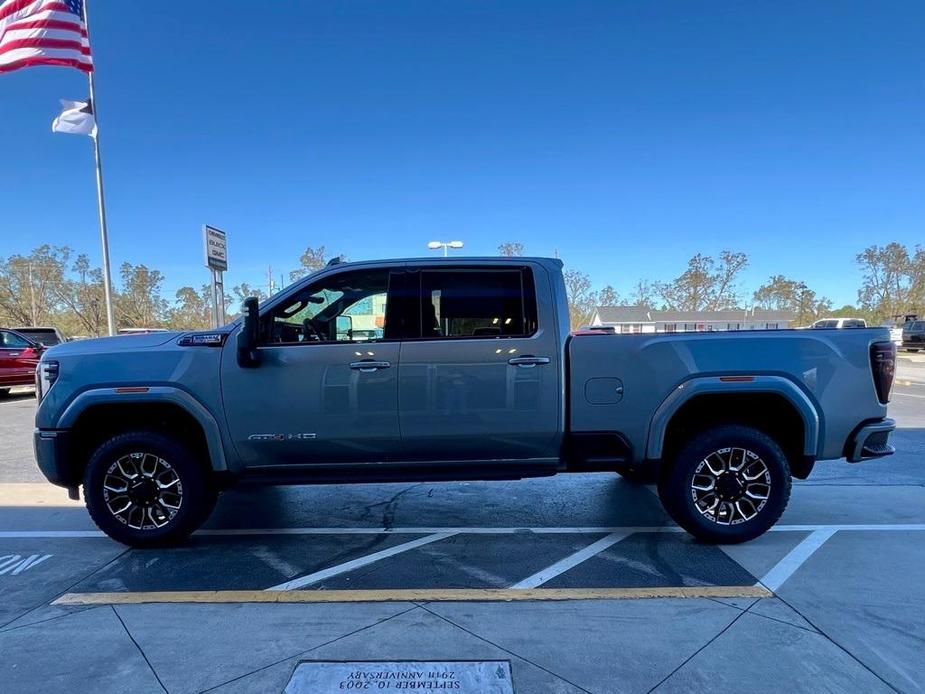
(18, 358)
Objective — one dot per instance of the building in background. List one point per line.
(638, 319)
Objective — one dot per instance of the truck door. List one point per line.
(326, 386)
(481, 380)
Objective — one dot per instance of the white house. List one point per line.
(638, 319)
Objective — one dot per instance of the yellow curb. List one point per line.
(410, 595)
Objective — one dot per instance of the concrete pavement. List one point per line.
(848, 616)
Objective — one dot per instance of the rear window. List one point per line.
(46, 337)
(917, 325)
(479, 303)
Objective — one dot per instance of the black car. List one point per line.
(44, 336)
(914, 335)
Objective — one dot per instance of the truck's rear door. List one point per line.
(481, 379)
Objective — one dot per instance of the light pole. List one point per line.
(803, 289)
(445, 245)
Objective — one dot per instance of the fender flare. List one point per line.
(709, 385)
(152, 394)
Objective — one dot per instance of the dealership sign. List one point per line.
(216, 248)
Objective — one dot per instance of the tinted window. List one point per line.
(13, 341)
(347, 307)
(918, 325)
(477, 303)
(46, 337)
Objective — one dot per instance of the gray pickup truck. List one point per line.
(450, 370)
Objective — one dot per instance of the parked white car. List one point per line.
(840, 323)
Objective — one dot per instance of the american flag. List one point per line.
(43, 32)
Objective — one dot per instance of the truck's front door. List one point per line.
(326, 386)
(481, 379)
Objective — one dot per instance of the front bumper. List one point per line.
(870, 440)
(52, 448)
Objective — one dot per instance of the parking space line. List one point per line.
(908, 395)
(569, 562)
(318, 576)
(412, 595)
(794, 559)
(476, 530)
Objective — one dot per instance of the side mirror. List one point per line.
(249, 337)
(343, 326)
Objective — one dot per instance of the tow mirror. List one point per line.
(249, 337)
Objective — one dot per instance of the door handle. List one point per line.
(368, 365)
(527, 362)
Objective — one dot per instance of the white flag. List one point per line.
(76, 118)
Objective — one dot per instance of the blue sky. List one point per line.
(627, 135)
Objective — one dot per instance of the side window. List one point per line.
(477, 303)
(11, 341)
(346, 307)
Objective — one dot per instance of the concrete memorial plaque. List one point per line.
(460, 676)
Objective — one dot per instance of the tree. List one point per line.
(140, 305)
(780, 293)
(28, 285)
(511, 249)
(644, 294)
(609, 296)
(705, 285)
(193, 309)
(84, 300)
(311, 260)
(691, 290)
(582, 301)
(725, 292)
(894, 279)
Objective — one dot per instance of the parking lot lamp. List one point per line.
(445, 245)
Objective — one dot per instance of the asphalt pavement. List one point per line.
(579, 581)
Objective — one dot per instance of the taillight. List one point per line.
(883, 365)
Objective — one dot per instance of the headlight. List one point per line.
(45, 376)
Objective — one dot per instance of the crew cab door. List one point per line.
(325, 389)
(481, 379)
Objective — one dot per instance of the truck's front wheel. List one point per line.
(145, 489)
(728, 484)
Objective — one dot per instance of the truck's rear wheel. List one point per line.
(145, 489)
(728, 484)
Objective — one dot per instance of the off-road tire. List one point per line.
(678, 496)
(198, 494)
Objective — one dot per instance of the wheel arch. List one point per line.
(772, 404)
(96, 415)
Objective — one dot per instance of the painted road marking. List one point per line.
(71, 534)
(571, 561)
(909, 395)
(14, 564)
(794, 559)
(413, 595)
(318, 576)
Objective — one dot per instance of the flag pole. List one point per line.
(101, 202)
